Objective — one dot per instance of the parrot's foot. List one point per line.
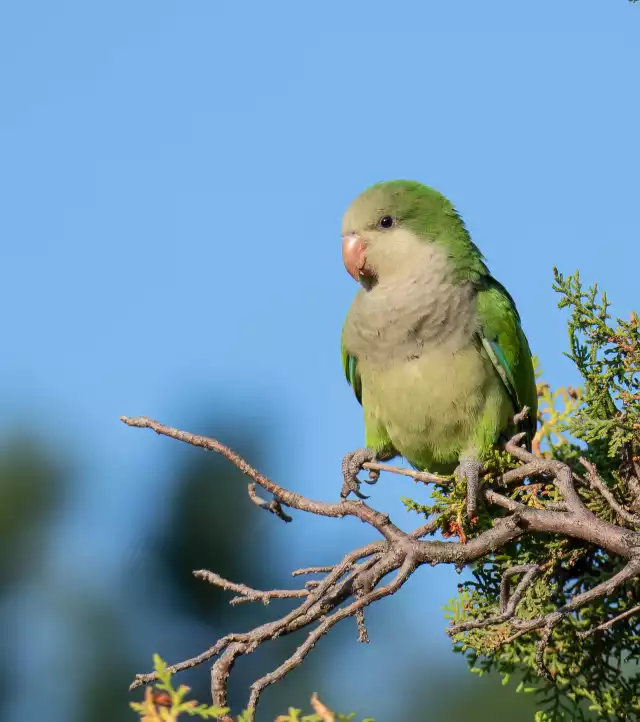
(469, 469)
(351, 467)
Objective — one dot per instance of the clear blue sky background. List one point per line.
(172, 180)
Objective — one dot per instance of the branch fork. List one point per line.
(347, 587)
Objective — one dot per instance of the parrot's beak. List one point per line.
(354, 256)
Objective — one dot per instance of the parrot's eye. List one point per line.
(386, 222)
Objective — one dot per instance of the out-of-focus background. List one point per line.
(172, 180)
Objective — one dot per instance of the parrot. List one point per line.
(432, 345)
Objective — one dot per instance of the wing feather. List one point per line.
(350, 365)
(506, 345)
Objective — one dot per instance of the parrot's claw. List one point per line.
(351, 467)
(469, 470)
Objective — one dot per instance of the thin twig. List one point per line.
(545, 638)
(296, 658)
(248, 594)
(611, 622)
(363, 633)
(213, 651)
(359, 509)
(598, 485)
(508, 604)
(274, 506)
(311, 570)
(422, 531)
(521, 416)
(423, 476)
(550, 621)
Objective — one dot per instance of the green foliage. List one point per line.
(594, 676)
(608, 359)
(163, 703)
(295, 716)
(555, 410)
(33, 491)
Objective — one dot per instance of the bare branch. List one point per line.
(552, 622)
(425, 529)
(349, 586)
(248, 594)
(220, 645)
(274, 506)
(500, 500)
(222, 669)
(311, 570)
(507, 604)
(598, 485)
(519, 452)
(291, 499)
(295, 659)
(423, 476)
(611, 622)
(521, 415)
(363, 634)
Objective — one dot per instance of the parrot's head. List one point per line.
(391, 225)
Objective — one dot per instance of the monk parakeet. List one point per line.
(432, 344)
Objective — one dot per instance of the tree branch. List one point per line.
(598, 485)
(549, 622)
(356, 581)
(248, 594)
(423, 476)
(611, 622)
(274, 506)
(507, 604)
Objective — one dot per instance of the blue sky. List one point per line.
(173, 177)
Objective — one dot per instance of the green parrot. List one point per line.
(432, 345)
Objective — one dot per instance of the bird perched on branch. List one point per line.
(432, 344)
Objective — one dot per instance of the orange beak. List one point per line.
(354, 256)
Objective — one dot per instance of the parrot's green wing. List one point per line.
(504, 341)
(350, 365)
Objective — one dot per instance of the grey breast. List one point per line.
(391, 322)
